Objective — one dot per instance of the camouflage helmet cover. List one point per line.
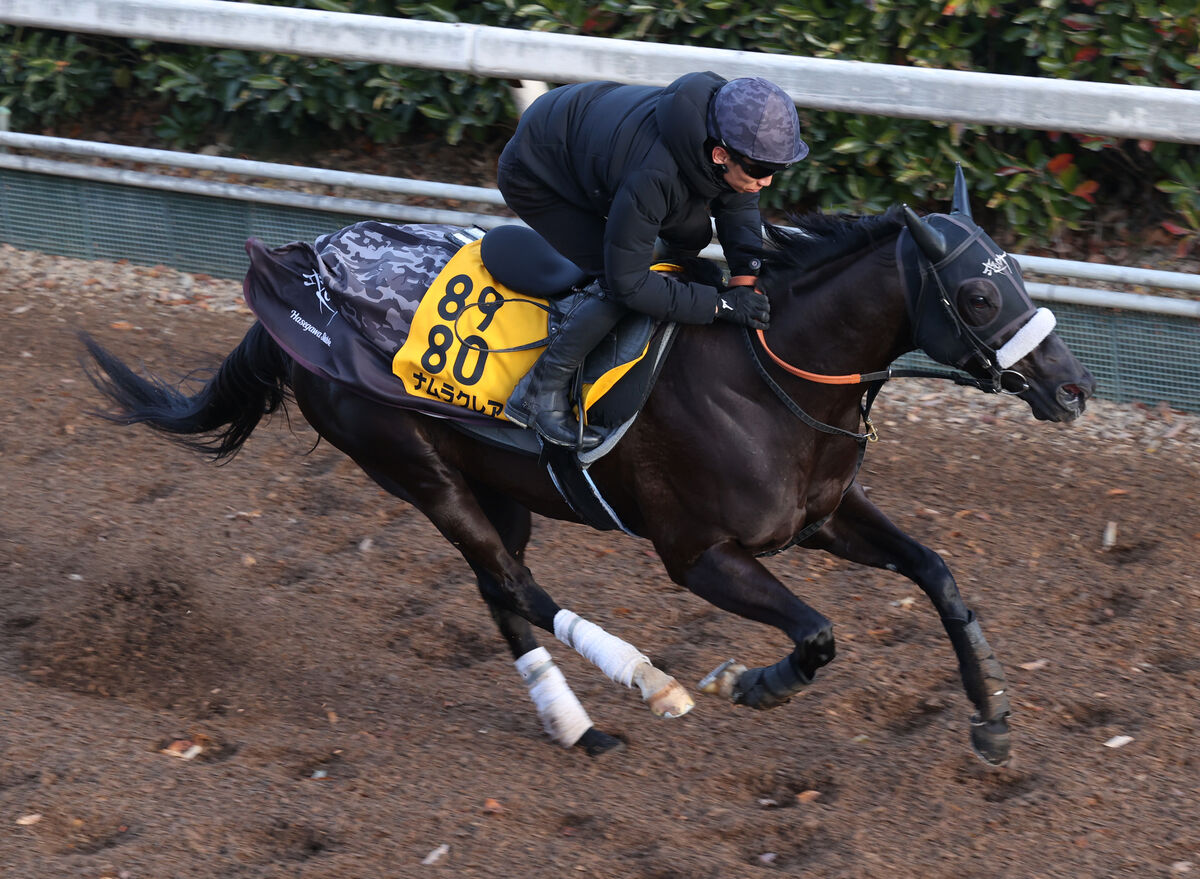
(755, 118)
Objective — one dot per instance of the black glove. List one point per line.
(743, 306)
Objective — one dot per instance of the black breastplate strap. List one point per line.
(864, 408)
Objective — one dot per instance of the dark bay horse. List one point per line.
(739, 452)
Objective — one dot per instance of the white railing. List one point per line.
(1123, 275)
(825, 84)
(876, 89)
(247, 168)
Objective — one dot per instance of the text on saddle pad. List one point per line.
(461, 347)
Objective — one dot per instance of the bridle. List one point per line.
(995, 361)
(933, 297)
(922, 253)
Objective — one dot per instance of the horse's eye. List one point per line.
(978, 301)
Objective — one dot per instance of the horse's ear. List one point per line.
(962, 201)
(930, 240)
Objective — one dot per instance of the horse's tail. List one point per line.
(252, 382)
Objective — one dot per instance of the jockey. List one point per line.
(603, 170)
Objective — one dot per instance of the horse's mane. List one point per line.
(818, 239)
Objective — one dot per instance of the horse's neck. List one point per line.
(844, 321)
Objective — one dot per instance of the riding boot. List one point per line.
(542, 400)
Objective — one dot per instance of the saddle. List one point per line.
(523, 260)
(444, 321)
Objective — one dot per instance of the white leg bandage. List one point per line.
(1027, 338)
(616, 658)
(563, 718)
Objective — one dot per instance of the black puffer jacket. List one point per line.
(635, 154)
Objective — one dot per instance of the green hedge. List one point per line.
(1039, 185)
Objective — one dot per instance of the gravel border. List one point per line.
(1123, 427)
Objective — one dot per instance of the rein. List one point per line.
(874, 380)
(862, 378)
(884, 375)
(862, 439)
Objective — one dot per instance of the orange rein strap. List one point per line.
(854, 379)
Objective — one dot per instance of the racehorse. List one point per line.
(733, 456)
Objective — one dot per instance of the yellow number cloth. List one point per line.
(459, 347)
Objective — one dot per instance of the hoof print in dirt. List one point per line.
(298, 842)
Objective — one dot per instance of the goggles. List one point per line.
(757, 170)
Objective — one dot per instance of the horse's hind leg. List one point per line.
(562, 715)
(406, 465)
(859, 532)
(446, 500)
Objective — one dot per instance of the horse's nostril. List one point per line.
(1072, 395)
(1082, 391)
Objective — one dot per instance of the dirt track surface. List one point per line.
(357, 712)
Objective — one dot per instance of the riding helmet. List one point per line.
(755, 118)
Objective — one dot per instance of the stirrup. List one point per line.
(581, 436)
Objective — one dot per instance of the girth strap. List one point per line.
(579, 491)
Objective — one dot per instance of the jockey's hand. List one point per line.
(744, 306)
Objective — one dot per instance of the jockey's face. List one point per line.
(735, 175)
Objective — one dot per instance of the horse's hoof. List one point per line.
(721, 680)
(671, 701)
(662, 692)
(595, 743)
(991, 740)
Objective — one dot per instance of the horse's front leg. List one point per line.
(730, 577)
(859, 532)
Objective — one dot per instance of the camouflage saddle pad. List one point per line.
(407, 315)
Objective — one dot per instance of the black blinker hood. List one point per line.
(930, 291)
